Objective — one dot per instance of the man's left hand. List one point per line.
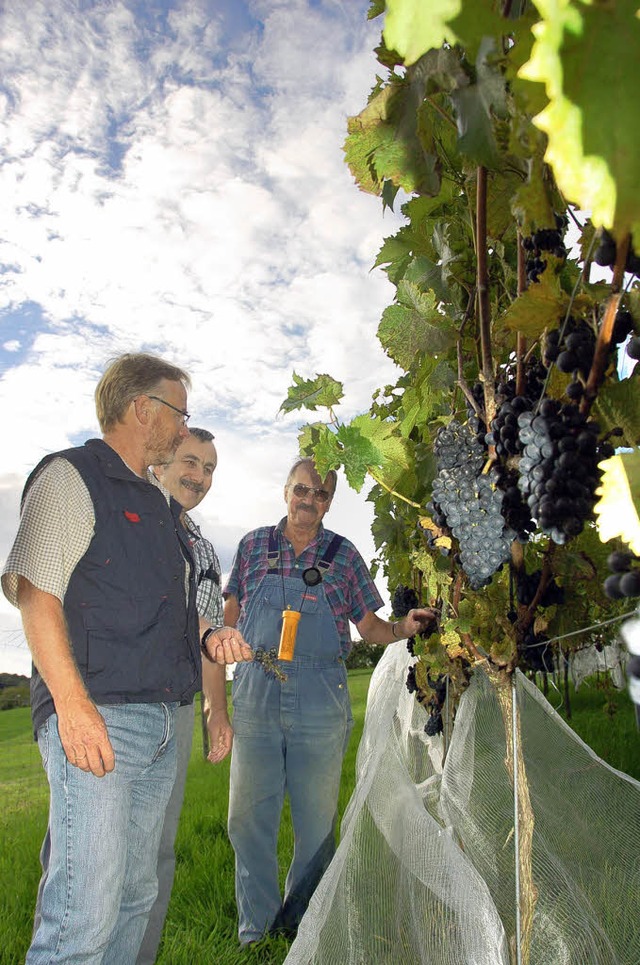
(227, 645)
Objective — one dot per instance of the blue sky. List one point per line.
(172, 180)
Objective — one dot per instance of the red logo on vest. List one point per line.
(132, 517)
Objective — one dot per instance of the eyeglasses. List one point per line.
(185, 415)
(322, 495)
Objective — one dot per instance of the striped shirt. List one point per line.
(209, 601)
(349, 588)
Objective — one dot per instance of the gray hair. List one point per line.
(126, 378)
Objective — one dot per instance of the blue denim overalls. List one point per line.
(289, 737)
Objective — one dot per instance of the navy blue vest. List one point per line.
(134, 638)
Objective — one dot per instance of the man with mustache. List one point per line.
(188, 478)
(290, 734)
(104, 578)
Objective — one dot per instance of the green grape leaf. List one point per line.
(312, 393)
(390, 456)
(584, 51)
(476, 106)
(309, 437)
(618, 406)
(422, 399)
(357, 454)
(541, 305)
(531, 205)
(415, 325)
(427, 275)
(475, 21)
(382, 143)
(412, 26)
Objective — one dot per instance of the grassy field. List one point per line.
(201, 925)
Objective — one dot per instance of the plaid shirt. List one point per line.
(208, 575)
(350, 591)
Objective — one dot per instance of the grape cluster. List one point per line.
(536, 652)
(559, 467)
(469, 503)
(605, 255)
(624, 579)
(435, 704)
(268, 659)
(527, 586)
(504, 436)
(404, 599)
(573, 350)
(544, 239)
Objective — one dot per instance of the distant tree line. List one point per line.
(14, 691)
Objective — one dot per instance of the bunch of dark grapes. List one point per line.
(413, 688)
(404, 599)
(504, 436)
(559, 467)
(503, 432)
(624, 580)
(527, 586)
(622, 326)
(572, 351)
(544, 239)
(536, 652)
(515, 509)
(606, 254)
(435, 704)
(469, 503)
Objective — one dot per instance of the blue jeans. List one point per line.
(288, 738)
(99, 882)
(184, 719)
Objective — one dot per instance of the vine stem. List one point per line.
(521, 341)
(483, 294)
(392, 492)
(465, 637)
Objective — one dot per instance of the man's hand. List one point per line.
(84, 737)
(227, 645)
(220, 735)
(421, 621)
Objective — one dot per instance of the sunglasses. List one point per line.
(322, 495)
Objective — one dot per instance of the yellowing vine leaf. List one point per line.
(585, 52)
(541, 305)
(619, 505)
(412, 26)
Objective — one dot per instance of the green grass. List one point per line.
(201, 924)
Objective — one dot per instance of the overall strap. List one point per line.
(273, 552)
(328, 556)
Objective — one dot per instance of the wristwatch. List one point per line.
(205, 636)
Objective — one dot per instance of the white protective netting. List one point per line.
(426, 871)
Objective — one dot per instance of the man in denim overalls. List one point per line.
(290, 734)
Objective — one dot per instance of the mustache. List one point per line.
(194, 487)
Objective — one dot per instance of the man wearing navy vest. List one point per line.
(291, 712)
(103, 575)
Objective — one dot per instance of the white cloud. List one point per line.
(171, 185)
